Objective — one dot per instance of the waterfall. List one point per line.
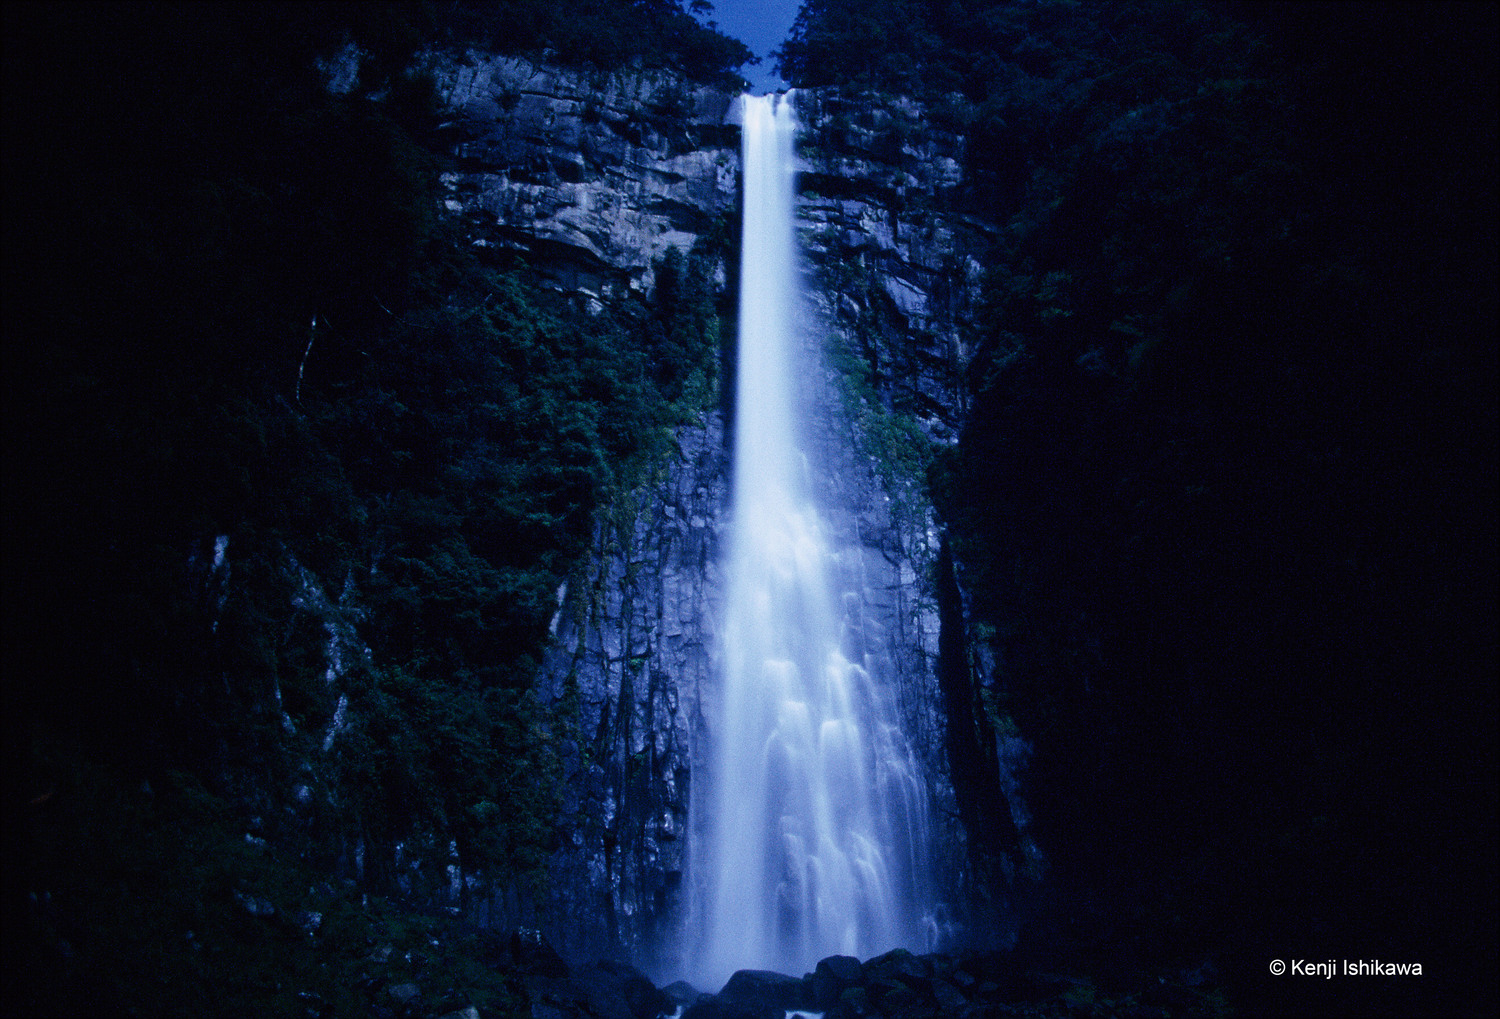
(809, 836)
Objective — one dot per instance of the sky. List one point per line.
(760, 25)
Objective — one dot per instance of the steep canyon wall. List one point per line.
(591, 179)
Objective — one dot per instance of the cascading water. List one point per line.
(810, 838)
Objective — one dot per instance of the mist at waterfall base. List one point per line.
(811, 826)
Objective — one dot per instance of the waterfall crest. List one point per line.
(809, 836)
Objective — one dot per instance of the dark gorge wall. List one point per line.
(1222, 502)
(591, 179)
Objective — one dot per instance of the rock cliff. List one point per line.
(591, 179)
(896, 265)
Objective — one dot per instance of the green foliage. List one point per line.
(480, 441)
(923, 49)
(682, 330)
(443, 758)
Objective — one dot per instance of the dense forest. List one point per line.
(233, 314)
(1222, 508)
(1225, 502)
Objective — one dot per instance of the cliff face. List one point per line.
(588, 178)
(896, 266)
(591, 180)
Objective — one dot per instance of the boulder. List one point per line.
(618, 989)
(854, 1003)
(901, 967)
(682, 993)
(948, 997)
(764, 987)
(832, 977)
(534, 956)
(404, 992)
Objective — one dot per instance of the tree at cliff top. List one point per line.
(606, 34)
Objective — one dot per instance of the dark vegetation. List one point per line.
(606, 34)
(231, 309)
(1225, 503)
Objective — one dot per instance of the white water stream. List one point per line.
(811, 837)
